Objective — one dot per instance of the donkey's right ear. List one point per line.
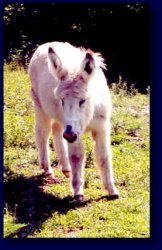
(54, 59)
(55, 65)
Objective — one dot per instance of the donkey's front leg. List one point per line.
(76, 157)
(104, 158)
(60, 146)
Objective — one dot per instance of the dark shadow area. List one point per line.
(26, 200)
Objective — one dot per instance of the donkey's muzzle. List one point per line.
(69, 135)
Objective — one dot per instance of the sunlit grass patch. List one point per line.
(35, 210)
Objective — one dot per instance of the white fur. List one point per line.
(70, 82)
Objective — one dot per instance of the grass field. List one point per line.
(35, 209)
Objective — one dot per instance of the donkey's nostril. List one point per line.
(70, 137)
(66, 135)
(74, 137)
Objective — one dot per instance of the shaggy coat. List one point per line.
(71, 96)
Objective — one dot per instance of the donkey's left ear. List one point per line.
(87, 66)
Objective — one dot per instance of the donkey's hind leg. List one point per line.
(104, 158)
(42, 130)
(60, 146)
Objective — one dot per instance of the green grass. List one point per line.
(35, 209)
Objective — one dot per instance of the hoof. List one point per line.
(53, 181)
(66, 173)
(79, 197)
(113, 197)
(50, 179)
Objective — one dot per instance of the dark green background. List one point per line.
(121, 32)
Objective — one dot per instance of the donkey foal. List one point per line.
(70, 96)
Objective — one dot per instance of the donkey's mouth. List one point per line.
(70, 137)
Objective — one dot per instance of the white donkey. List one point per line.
(71, 96)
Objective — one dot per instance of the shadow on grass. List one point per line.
(29, 204)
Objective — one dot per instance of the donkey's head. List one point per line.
(73, 92)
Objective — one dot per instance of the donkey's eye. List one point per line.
(81, 102)
(62, 102)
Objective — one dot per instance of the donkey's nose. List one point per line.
(69, 135)
(68, 129)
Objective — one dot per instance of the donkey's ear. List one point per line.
(89, 63)
(88, 66)
(54, 58)
(55, 65)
